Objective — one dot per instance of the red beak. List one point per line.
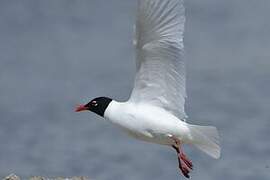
(81, 108)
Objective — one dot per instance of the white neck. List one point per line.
(113, 110)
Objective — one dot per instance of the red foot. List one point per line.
(185, 165)
(186, 160)
(184, 169)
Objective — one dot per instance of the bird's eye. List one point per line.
(94, 103)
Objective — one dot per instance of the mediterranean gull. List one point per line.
(155, 110)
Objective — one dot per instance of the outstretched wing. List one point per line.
(160, 78)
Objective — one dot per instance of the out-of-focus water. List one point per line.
(55, 54)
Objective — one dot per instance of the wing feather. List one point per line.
(160, 78)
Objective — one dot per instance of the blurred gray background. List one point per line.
(56, 54)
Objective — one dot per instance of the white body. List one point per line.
(155, 111)
(154, 124)
(148, 123)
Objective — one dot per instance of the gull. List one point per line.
(155, 110)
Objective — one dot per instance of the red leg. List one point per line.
(185, 165)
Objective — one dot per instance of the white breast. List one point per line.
(146, 122)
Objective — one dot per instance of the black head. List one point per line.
(97, 105)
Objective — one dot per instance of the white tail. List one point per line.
(206, 138)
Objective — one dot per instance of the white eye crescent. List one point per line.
(94, 103)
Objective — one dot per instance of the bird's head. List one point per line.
(97, 105)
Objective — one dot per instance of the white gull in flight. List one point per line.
(155, 110)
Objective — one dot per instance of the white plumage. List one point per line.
(155, 111)
(160, 78)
